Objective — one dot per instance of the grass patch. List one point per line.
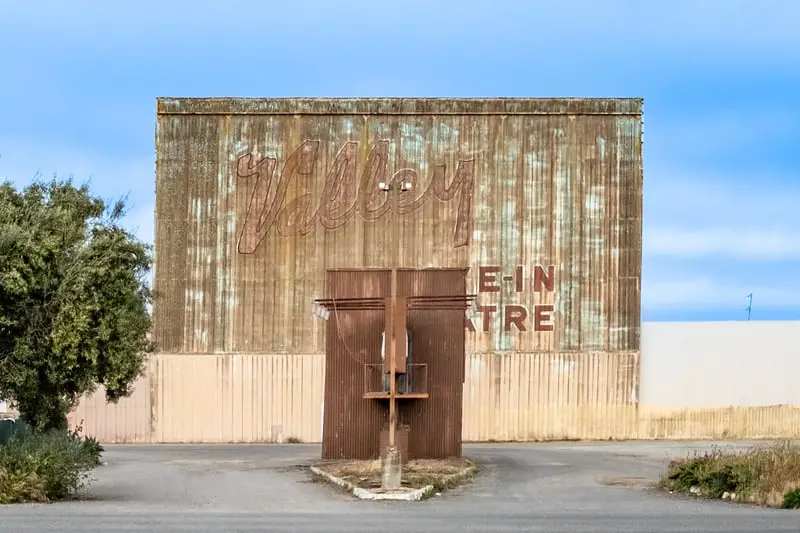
(46, 467)
(294, 440)
(764, 475)
(440, 474)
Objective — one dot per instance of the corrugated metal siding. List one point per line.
(438, 336)
(237, 398)
(128, 421)
(352, 424)
(733, 423)
(399, 106)
(550, 396)
(214, 399)
(550, 182)
(518, 396)
(549, 188)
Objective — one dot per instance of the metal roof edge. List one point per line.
(399, 106)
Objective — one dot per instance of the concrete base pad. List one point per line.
(401, 494)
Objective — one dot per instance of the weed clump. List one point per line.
(43, 467)
(765, 475)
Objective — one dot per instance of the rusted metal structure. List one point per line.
(355, 409)
(432, 306)
(265, 204)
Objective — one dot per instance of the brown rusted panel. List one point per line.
(351, 423)
(401, 441)
(438, 342)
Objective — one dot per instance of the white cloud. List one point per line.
(692, 213)
(725, 243)
(705, 292)
(715, 232)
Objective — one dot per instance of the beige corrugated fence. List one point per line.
(507, 397)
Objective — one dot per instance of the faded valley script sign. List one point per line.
(344, 194)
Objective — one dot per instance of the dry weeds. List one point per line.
(416, 473)
(763, 475)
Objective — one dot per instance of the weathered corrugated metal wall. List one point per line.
(224, 398)
(352, 423)
(540, 198)
(550, 396)
(129, 421)
(256, 199)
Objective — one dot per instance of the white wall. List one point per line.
(718, 364)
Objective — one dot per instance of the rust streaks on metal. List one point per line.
(412, 302)
(352, 423)
(438, 341)
(548, 201)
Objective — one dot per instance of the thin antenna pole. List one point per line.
(749, 305)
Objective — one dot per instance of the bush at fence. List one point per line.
(45, 467)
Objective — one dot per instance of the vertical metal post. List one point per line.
(392, 352)
(392, 468)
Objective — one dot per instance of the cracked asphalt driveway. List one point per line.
(558, 487)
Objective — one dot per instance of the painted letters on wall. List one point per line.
(343, 195)
(514, 316)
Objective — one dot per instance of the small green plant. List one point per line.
(791, 500)
(294, 440)
(93, 449)
(91, 445)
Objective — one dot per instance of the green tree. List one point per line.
(73, 300)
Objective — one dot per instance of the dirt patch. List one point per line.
(622, 481)
(441, 473)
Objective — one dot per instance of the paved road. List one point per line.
(538, 487)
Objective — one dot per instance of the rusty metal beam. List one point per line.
(413, 302)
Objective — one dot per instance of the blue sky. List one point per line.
(720, 79)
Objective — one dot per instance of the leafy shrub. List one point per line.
(761, 475)
(45, 467)
(791, 500)
(75, 297)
